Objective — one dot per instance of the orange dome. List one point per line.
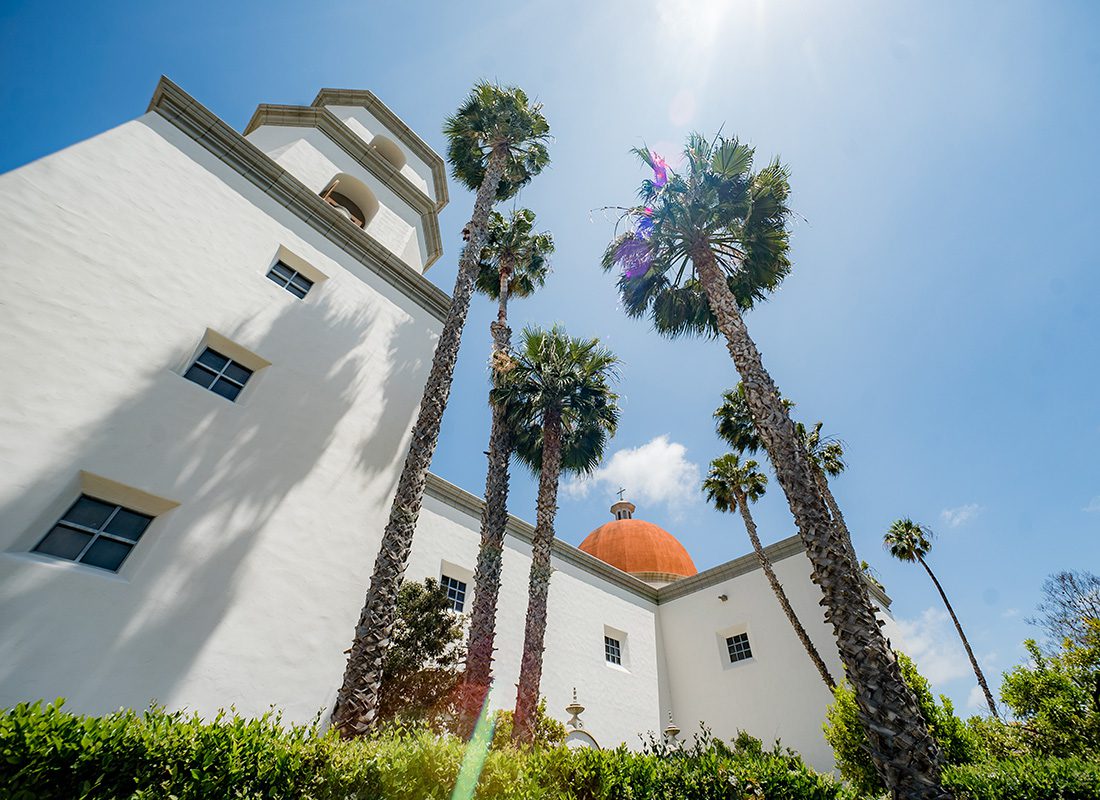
(641, 548)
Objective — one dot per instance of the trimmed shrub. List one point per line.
(1026, 779)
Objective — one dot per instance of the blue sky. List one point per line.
(941, 316)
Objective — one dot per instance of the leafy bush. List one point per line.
(1026, 779)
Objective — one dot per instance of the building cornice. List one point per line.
(205, 128)
(524, 531)
(335, 129)
(368, 100)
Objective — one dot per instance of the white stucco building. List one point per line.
(214, 344)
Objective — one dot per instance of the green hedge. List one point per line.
(46, 752)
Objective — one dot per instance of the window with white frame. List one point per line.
(95, 533)
(612, 650)
(220, 374)
(290, 279)
(738, 647)
(456, 592)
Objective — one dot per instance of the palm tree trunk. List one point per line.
(834, 511)
(777, 587)
(534, 636)
(966, 642)
(905, 755)
(357, 700)
(478, 676)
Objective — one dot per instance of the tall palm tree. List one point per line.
(560, 405)
(513, 264)
(909, 541)
(496, 144)
(705, 245)
(731, 485)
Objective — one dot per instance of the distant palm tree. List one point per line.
(496, 144)
(908, 541)
(559, 403)
(704, 246)
(514, 264)
(731, 485)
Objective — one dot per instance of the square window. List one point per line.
(219, 374)
(612, 650)
(95, 533)
(293, 281)
(738, 647)
(456, 592)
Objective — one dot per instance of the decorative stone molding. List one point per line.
(334, 128)
(367, 99)
(200, 124)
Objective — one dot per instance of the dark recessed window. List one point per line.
(220, 374)
(738, 647)
(612, 651)
(456, 592)
(95, 533)
(293, 281)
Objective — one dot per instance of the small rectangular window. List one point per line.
(290, 279)
(219, 374)
(95, 533)
(738, 647)
(612, 650)
(456, 592)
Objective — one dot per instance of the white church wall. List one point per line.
(314, 159)
(366, 126)
(777, 694)
(620, 702)
(119, 254)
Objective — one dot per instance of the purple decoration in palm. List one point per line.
(634, 256)
(660, 171)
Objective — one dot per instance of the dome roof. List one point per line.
(641, 548)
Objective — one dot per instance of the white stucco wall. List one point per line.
(314, 159)
(367, 126)
(117, 254)
(778, 693)
(620, 702)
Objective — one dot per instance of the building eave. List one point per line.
(368, 100)
(524, 531)
(336, 130)
(205, 128)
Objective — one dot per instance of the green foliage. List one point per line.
(423, 663)
(549, 732)
(1071, 601)
(514, 247)
(1025, 779)
(907, 540)
(844, 731)
(729, 479)
(1056, 699)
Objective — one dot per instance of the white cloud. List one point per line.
(657, 472)
(954, 517)
(1093, 506)
(1008, 613)
(976, 699)
(932, 642)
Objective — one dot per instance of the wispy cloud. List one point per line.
(1094, 505)
(931, 641)
(954, 517)
(657, 472)
(976, 699)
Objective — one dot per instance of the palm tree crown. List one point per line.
(826, 452)
(516, 253)
(728, 478)
(719, 203)
(556, 374)
(907, 540)
(497, 117)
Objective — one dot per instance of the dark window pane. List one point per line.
(213, 360)
(282, 270)
(64, 542)
(200, 375)
(88, 512)
(302, 282)
(128, 524)
(106, 553)
(226, 389)
(237, 372)
(296, 290)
